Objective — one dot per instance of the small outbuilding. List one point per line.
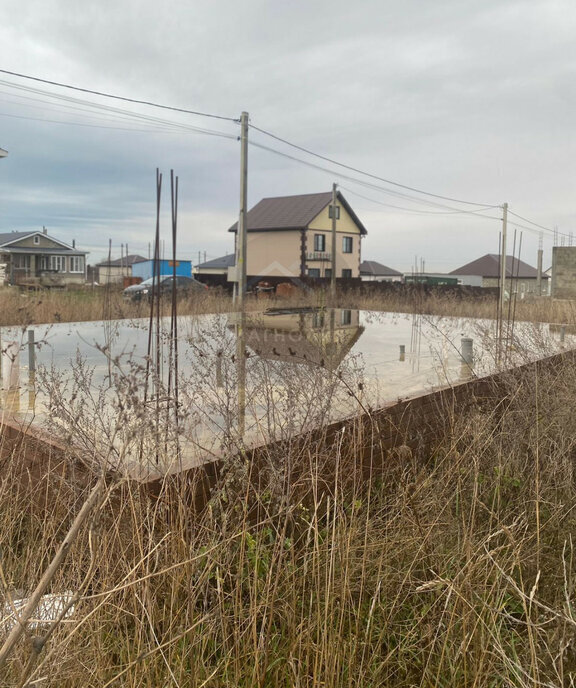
(218, 266)
(520, 277)
(145, 268)
(372, 271)
(114, 271)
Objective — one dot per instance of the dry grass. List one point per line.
(24, 308)
(450, 303)
(455, 569)
(78, 305)
(451, 569)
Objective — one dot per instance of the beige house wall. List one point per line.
(345, 226)
(273, 253)
(302, 323)
(278, 253)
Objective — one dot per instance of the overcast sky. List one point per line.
(472, 100)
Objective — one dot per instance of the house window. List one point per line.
(346, 244)
(347, 273)
(36, 239)
(314, 272)
(318, 319)
(319, 242)
(328, 273)
(346, 317)
(58, 263)
(21, 262)
(76, 263)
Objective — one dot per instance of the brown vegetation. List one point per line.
(452, 568)
(23, 308)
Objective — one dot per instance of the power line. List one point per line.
(169, 125)
(115, 97)
(165, 130)
(476, 213)
(425, 212)
(359, 171)
(113, 113)
(361, 182)
(525, 219)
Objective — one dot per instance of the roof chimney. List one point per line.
(73, 243)
(44, 230)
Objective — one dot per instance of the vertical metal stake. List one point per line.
(31, 352)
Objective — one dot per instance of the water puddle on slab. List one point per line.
(238, 381)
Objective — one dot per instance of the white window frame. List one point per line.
(76, 263)
(346, 317)
(36, 239)
(58, 263)
(21, 261)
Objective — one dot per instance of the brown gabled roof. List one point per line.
(126, 260)
(372, 267)
(489, 266)
(292, 212)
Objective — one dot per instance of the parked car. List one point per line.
(184, 286)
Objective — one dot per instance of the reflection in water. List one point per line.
(240, 332)
(305, 336)
(312, 337)
(242, 381)
(11, 400)
(10, 365)
(466, 372)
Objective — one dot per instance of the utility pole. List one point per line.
(241, 276)
(333, 213)
(539, 266)
(502, 280)
(241, 243)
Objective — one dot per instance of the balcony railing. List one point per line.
(318, 255)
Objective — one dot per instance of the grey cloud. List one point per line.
(463, 98)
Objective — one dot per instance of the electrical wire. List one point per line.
(125, 115)
(361, 182)
(104, 126)
(476, 213)
(359, 171)
(167, 125)
(414, 210)
(115, 97)
(525, 219)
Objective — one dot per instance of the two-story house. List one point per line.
(290, 236)
(35, 258)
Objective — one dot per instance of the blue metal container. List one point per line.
(145, 270)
